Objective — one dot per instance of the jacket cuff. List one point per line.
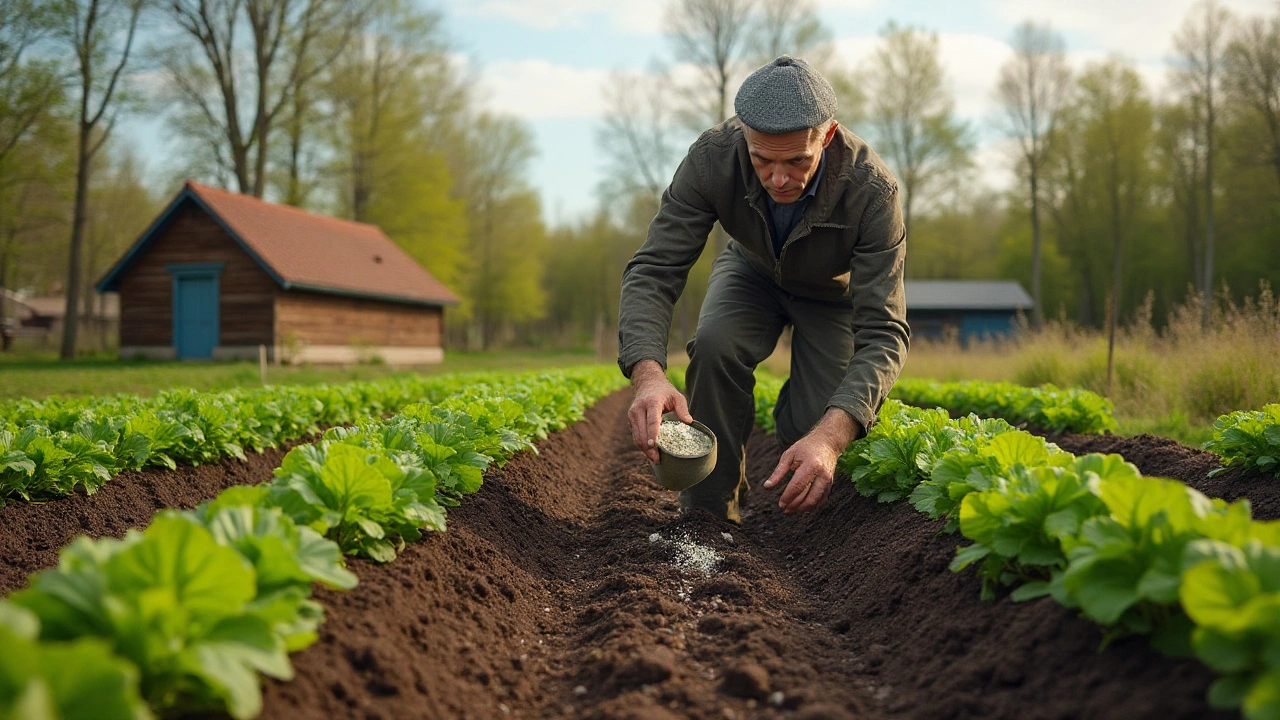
(857, 409)
(629, 356)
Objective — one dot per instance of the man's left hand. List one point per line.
(813, 459)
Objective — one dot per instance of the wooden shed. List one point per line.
(218, 274)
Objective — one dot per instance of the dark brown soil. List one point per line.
(547, 598)
(32, 533)
(1162, 457)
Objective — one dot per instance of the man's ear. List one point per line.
(831, 133)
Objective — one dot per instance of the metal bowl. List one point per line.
(678, 472)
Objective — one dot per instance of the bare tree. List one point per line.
(911, 112)
(290, 43)
(637, 135)
(790, 27)
(714, 36)
(101, 34)
(1033, 87)
(1253, 77)
(1201, 44)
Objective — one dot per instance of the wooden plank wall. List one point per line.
(245, 290)
(318, 319)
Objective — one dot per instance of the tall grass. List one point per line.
(1171, 381)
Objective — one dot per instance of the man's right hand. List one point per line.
(655, 395)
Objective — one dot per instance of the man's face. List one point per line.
(787, 163)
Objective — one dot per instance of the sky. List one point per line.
(545, 61)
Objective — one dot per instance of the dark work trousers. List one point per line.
(742, 317)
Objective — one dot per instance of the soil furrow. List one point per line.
(1161, 457)
(547, 597)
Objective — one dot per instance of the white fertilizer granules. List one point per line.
(684, 440)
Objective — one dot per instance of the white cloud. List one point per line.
(1141, 29)
(537, 89)
(634, 18)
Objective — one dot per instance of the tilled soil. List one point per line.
(1161, 457)
(570, 586)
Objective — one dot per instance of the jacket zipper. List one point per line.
(768, 231)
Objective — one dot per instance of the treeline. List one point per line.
(362, 109)
(1121, 194)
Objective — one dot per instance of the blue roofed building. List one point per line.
(967, 309)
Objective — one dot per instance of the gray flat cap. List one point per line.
(785, 96)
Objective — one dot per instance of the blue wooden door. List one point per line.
(195, 315)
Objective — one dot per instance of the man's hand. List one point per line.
(813, 459)
(654, 395)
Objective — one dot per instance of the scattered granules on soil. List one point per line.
(684, 440)
(690, 555)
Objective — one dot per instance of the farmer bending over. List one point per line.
(817, 243)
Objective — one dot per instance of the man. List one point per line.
(817, 243)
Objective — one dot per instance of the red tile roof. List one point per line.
(314, 252)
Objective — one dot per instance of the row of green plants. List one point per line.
(1249, 439)
(186, 615)
(1137, 555)
(1046, 408)
(51, 448)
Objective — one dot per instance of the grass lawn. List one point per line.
(40, 375)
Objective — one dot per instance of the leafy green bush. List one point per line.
(1248, 439)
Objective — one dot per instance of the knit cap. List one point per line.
(784, 96)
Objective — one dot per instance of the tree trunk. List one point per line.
(70, 323)
(1206, 311)
(1037, 310)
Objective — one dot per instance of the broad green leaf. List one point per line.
(206, 577)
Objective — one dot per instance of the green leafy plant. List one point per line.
(1046, 408)
(1019, 524)
(1248, 439)
(903, 446)
(1125, 567)
(974, 465)
(80, 680)
(287, 559)
(1233, 597)
(175, 603)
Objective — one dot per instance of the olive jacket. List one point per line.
(849, 247)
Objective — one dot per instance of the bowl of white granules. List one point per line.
(686, 453)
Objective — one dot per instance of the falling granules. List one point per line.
(689, 555)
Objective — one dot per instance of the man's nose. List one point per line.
(779, 180)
